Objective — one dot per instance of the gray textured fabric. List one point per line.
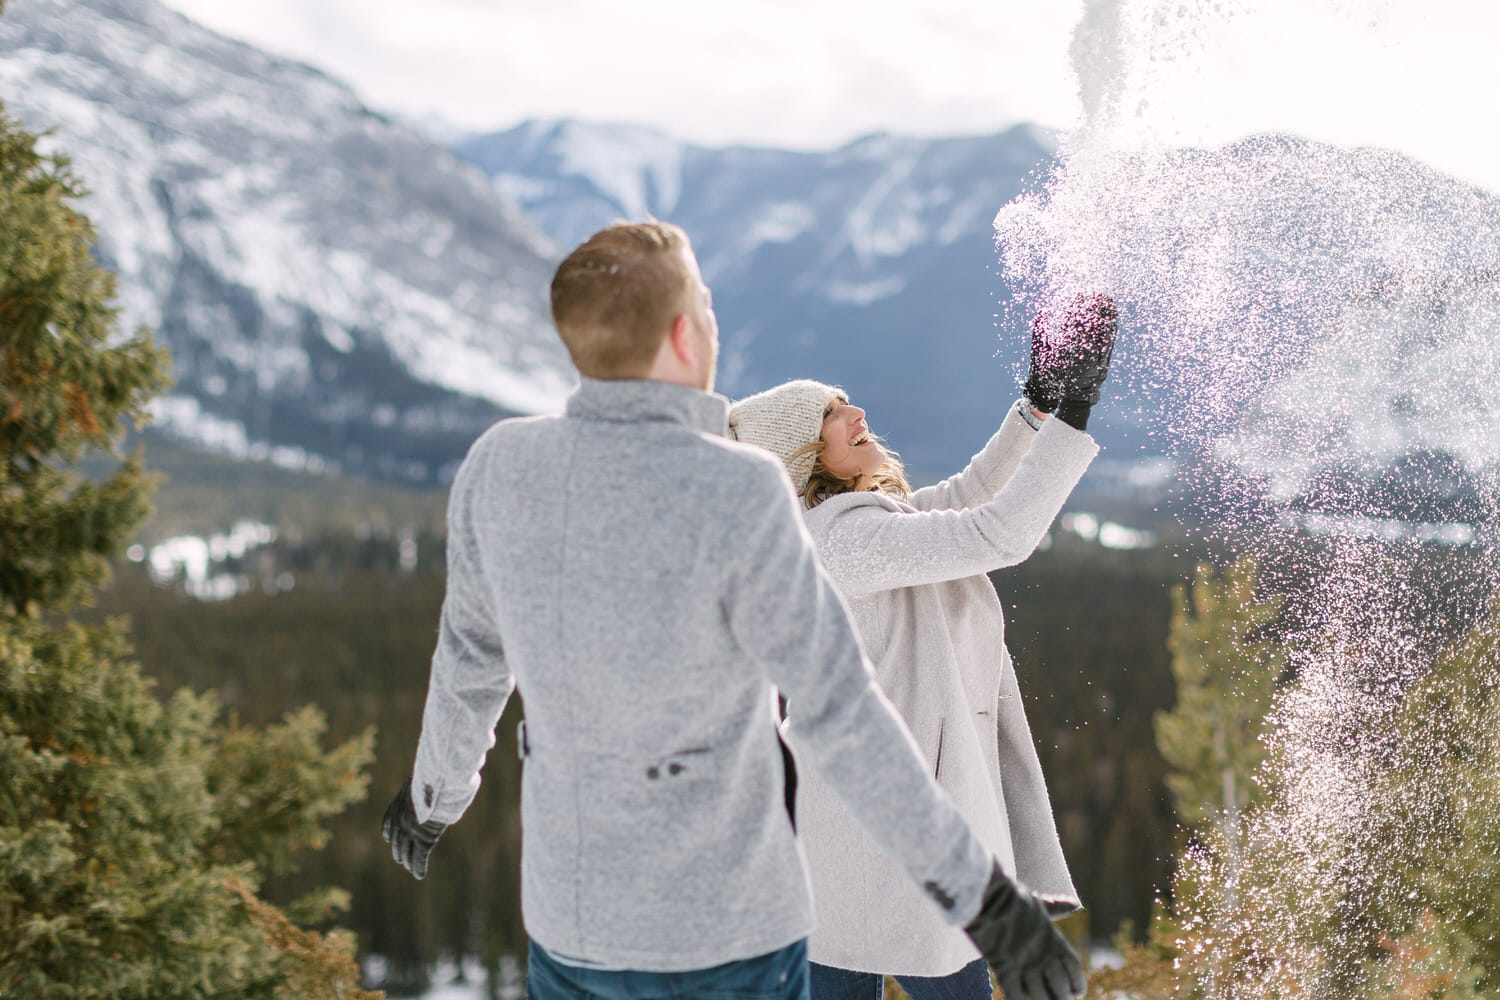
(913, 575)
(643, 581)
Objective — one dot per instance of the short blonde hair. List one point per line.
(615, 297)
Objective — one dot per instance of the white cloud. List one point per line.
(1414, 75)
(801, 74)
(1417, 75)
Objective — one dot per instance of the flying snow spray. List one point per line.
(1314, 332)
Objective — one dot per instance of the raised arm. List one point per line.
(987, 471)
(868, 547)
(1070, 355)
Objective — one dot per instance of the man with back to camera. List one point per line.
(645, 581)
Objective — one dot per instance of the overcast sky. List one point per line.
(1421, 76)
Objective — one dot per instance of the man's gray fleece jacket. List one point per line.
(644, 581)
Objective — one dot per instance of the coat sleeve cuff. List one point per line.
(1023, 408)
(433, 796)
(1060, 906)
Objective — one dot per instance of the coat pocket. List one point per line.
(937, 763)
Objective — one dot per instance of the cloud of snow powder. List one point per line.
(1312, 329)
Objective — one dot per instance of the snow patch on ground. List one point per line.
(452, 981)
(199, 563)
(183, 418)
(1106, 534)
(783, 222)
(1385, 529)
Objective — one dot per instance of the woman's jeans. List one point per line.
(972, 982)
(781, 975)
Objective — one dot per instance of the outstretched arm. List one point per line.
(988, 471)
(1070, 355)
(467, 690)
(868, 548)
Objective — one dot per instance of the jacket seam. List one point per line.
(562, 632)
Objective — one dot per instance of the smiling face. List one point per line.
(849, 451)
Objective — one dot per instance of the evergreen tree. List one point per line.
(1226, 667)
(1406, 904)
(1441, 910)
(1086, 627)
(133, 831)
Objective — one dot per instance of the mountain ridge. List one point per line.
(334, 288)
(340, 293)
(874, 265)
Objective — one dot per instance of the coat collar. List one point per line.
(643, 400)
(836, 505)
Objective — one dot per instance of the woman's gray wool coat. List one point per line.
(914, 577)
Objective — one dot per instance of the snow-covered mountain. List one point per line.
(1406, 420)
(334, 287)
(338, 289)
(871, 266)
(874, 266)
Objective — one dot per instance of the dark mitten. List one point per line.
(1078, 359)
(1039, 389)
(411, 842)
(1030, 957)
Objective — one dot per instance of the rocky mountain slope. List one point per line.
(336, 289)
(1349, 280)
(871, 266)
(340, 291)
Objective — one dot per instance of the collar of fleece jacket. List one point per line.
(635, 400)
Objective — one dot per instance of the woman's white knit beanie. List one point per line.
(784, 420)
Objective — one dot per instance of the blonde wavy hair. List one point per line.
(889, 479)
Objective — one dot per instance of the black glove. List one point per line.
(410, 841)
(1030, 957)
(1073, 361)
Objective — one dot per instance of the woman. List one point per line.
(912, 568)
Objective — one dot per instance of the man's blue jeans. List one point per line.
(972, 982)
(781, 975)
